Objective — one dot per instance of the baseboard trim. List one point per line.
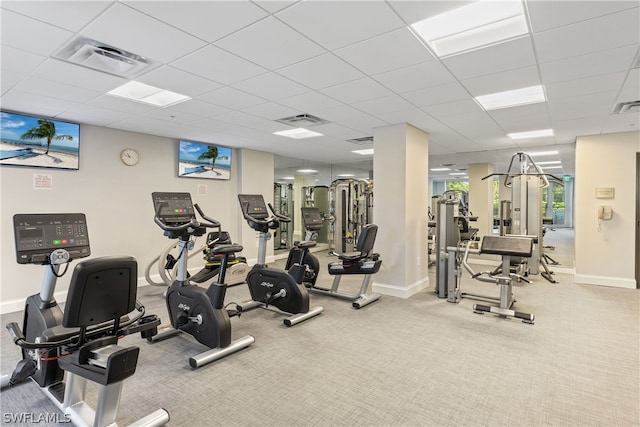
(401, 291)
(614, 282)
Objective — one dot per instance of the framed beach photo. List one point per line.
(38, 142)
(201, 160)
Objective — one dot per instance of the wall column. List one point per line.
(481, 197)
(401, 178)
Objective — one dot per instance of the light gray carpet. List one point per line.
(414, 362)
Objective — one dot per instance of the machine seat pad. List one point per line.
(350, 256)
(305, 244)
(362, 267)
(226, 249)
(510, 246)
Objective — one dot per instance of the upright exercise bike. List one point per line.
(64, 351)
(281, 289)
(198, 311)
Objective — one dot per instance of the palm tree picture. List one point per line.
(211, 153)
(46, 130)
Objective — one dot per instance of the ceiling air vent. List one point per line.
(303, 120)
(102, 57)
(361, 141)
(627, 107)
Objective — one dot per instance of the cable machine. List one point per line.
(351, 204)
(318, 197)
(523, 215)
(283, 204)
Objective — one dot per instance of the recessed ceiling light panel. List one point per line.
(368, 151)
(298, 133)
(479, 24)
(531, 134)
(512, 98)
(140, 92)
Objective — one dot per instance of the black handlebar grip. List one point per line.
(15, 332)
(476, 275)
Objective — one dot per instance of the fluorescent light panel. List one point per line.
(551, 167)
(531, 134)
(346, 175)
(367, 151)
(543, 153)
(482, 23)
(512, 98)
(549, 162)
(147, 94)
(439, 169)
(307, 171)
(457, 173)
(298, 133)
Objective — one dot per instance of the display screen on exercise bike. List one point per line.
(253, 205)
(175, 208)
(37, 235)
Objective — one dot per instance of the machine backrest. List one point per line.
(101, 290)
(507, 246)
(367, 239)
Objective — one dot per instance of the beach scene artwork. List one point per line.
(200, 160)
(38, 142)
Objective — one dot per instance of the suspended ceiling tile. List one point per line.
(493, 59)
(357, 90)
(414, 11)
(335, 24)
(310, 103)
(229, 97)
(71, 74)
(70, 15)
(437, 95)
(390, 51)
(180, 81)
(271, 44)
(271, 86)
(523, 118)
(473, 125)
(119, 104)
(56, 90)
(570, 88)
(420, 76)
(141, 34)
(216, 64)
(594, 35)
(545, 15)
(271, 111)
(34, 103)
(19, 61)
(629, 122)
(9, 79)
(272, 6)
(98, 116)
(461, 106)
(197, 109)
(597, 104)
(593, 64)
(383, 105)
(208, 20)
(40, 38)
(321, 72)
(503, 81)
(631, 88)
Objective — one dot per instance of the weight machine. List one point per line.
(351, 204)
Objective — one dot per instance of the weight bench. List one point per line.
(506, 247)
(362, 262)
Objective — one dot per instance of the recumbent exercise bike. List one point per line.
(82, 342)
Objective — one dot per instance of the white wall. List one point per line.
(606, 256)
(116, 200)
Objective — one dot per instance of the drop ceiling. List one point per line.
(356, 64)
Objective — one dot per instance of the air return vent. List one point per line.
(303, 121)
(361, 141)
(627, 107)
(103, 57)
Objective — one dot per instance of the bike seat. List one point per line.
(226, 249)
(306, 244)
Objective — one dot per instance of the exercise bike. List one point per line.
(167, 263)
(300, 252)
(281, 289)
(198, 311)
(63, 352)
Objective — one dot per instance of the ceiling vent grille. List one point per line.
(103, 57)
(361, 141)
(303, 120)
(627, 107)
